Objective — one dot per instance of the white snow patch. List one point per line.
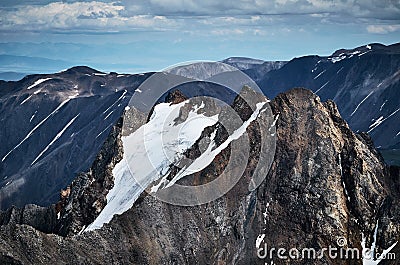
(362, 101)
(368, 47)
(345, 191)
(380, 122)
(259, 239)
(377, 122)
(123, 94)
(274, 122)
(99, 74)
(355, 53)
(127, 108)
(340, 70)
(82, 230)
(153, 146)
(104, 130)
(361, 54)
(319, 74)
(108, 115)
(338, 58)
(380, 109)
(38, 82)
(37, 91)
(33, 116)
(321, 87)
(369, 258)
(265, 214)
(35, 128)
(208, 156)
(120, 75)
(58, 215)
(25, 100)
(74, 95)
(55, 138)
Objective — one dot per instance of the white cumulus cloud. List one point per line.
(78, 16)
(383, 29)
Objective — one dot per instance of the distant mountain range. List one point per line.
(30, 65)
(12, 76)
(364, 82)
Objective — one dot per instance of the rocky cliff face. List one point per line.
(325, 182)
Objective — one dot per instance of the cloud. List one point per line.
(193, 16)
(230, 32)
(79, 16)
(383, 29)
(383, 9)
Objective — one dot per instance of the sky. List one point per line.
(149, 35)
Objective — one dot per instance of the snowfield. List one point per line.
(148, 153)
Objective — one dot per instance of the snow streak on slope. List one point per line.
(362, 101)
(115, 102)
(380, 120)
(148, 154)
(35, 128)
(25, 100)
(319, 74)
(321, 87)
(55, 139)
(38, 82)
(369, 258)
(33, 116)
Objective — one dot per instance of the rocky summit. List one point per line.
(327, 187)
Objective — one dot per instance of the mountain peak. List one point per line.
(81, 70)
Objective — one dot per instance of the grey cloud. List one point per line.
(383, 9)
(218, 16)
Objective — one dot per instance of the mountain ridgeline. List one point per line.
(364, 83)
